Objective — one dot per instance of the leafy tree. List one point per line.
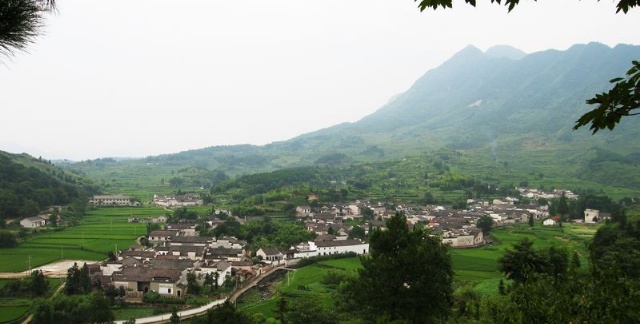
(485, 223)
(521, 262)
(306, 310)
(558, 263)
(21, 23)
(192, 283)
(407, 276)
(621, 101)
(174, 319)
(225, 314)
(78, 280)
(367, 213)
(101, 309)
(39, 284)
(357, 232)
(531, 223)
(208, 281)
(7, 239)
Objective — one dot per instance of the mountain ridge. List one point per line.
(499, 108)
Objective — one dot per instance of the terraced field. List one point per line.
(100, 231)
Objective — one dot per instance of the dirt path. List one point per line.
(51, 270)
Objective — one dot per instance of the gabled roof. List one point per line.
(339, 243)
(271, 251)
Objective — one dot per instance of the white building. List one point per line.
(591, 216)
(112, 200)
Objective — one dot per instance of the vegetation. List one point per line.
(21, 23)
(30, 185)
(407, 277)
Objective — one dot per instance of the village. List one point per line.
(170, 254)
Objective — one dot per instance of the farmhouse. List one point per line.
(177, 200)
(270, 254)
(341, 246)
(112, 200)
(549, 222)
(591, 216)
(144, 279)
(32, 222)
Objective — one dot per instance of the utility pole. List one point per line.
(29, 258)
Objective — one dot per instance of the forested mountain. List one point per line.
(500, 107)
(28, 185)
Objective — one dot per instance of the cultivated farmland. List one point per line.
(100, 231)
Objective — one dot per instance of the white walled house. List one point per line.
(112, 200)
(32, 222)
(549, 222)
(342, 246)
(591, 216)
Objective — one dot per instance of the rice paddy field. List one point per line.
(100, 231)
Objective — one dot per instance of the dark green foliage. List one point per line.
(7, 239)
(618, 102)
(265, 232)
(615, 250)
(78, 280)
(484, 223)
(306, 311)
(100, 309)
(20, 24)
(34, 286)
(357, 232)
(25, 190)
(522, 262)
(223, 314)
(193, 287)
(73, 309)
(406, 277)
(623, 5)
(174, 319)
(39, 284)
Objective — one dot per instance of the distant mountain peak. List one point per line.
(469, 50)
(505, 51)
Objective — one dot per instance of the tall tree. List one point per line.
(521, 262)
(406, 277)
(485, 223)
(39, 284)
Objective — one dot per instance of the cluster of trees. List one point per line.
(25, 191)
(574, 208)
(263, 233)
(78, 280)
(93, 308)
(79, 304)
(34, 286)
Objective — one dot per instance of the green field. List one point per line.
(477, 266)
(100, 231)
(309, 277)
(480, 266)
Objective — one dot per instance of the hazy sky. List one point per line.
(146, 77)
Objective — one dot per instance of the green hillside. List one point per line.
(507, 114)
(28, 185)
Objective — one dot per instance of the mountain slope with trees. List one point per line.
(28, 185)
(500, 108)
